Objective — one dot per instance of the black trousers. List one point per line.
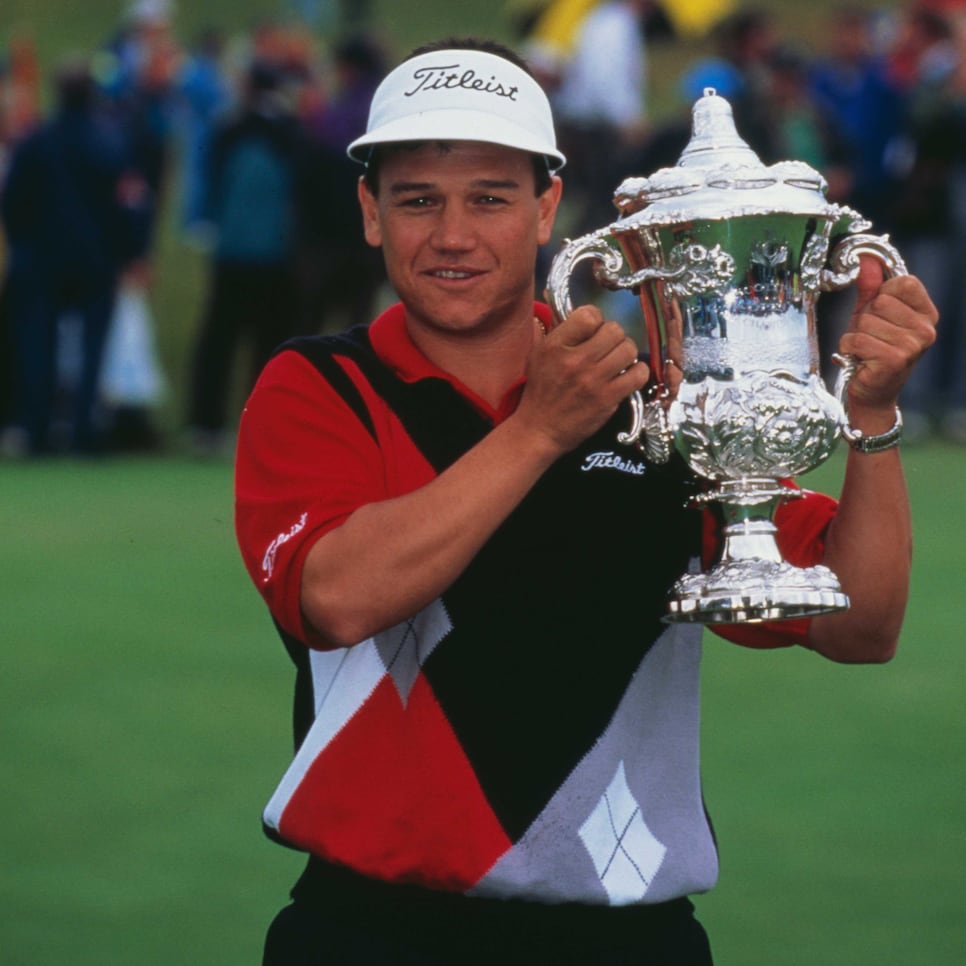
(338, 919)
(245, 301)
(35, 306)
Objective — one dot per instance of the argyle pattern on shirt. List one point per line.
(533, 732)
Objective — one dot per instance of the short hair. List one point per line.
(482, 45)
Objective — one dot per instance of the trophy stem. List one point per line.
(750, 540)
(751, 582)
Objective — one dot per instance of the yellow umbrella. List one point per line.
(693, 18)
(556, 28)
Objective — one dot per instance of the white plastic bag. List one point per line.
(130, 371)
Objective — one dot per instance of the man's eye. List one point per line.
(419, 201)
(491, 200)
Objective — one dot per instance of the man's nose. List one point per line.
(453, 230)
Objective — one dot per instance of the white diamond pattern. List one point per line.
(625, 853)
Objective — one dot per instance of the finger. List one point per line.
(903, 299)
(895, 319)
(891, 329)
(631, 379)
(621, 356)
(579, 326)
(912, 303)
(909, 289)
(886, 354)
(891, 345)
(611, 342)
(596, 339)
(868, 282)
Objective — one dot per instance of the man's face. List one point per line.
(459, 224)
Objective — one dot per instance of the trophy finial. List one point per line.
(714, 139)
(719, 176)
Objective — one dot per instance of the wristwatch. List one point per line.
(874, 444)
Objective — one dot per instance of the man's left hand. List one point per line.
(893, 324)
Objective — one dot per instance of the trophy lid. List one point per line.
(719, 176)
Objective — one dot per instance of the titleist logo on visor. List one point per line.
(452, 77)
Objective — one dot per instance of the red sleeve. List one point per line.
(304, 463)
(802, 525)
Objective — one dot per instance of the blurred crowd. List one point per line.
(878, 107)
(242, 138)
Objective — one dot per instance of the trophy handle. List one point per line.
(843, 262)
(649, 427)
(842, 270)
(598, 246)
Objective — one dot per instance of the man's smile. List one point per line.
(453, 274)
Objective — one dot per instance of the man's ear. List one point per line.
(370, 214)
(547, 204)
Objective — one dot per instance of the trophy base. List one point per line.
(751, 591)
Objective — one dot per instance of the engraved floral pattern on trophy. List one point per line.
(752, 403)
(767, 426)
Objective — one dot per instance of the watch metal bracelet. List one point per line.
(874, 444)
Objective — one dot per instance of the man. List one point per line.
(73, 212)
(253, 288)
(497, 735)
(340, 276)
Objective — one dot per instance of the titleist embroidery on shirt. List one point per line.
(448, 77)
(268, 561)
(611, 461)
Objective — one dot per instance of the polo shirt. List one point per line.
(533, 732)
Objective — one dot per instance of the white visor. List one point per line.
(461, 95)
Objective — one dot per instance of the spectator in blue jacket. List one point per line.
(73, 212)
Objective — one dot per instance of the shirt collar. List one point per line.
(392, 344)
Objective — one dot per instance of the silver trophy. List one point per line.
(728, 257)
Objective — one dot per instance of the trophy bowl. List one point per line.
(728, 258)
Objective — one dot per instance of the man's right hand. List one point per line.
(577, 375)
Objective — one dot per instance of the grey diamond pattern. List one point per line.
(405, 647)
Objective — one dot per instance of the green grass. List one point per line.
(144, 708)
(837, 792)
